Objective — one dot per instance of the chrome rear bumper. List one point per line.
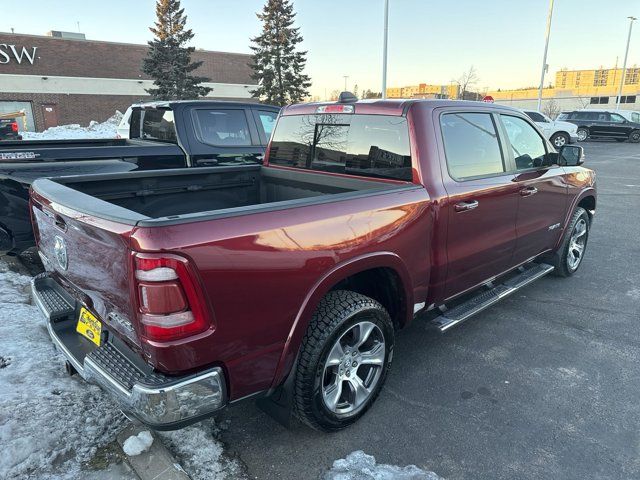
(157, 400)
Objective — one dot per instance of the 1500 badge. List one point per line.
(18, 155)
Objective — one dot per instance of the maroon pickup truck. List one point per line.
(181, 291)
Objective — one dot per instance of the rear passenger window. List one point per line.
(222, 127)
(267, 121)
(471, 145)
(527, 146)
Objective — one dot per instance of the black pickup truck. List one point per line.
(163, 135)
(9, 129)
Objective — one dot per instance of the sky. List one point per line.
(430, 41)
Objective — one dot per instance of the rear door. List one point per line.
(542, 191)
(482, 199)
(600, 124)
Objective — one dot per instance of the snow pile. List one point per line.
(50, 423)
(360, 466)
(201, 455)
(136, 444)
(106, 129)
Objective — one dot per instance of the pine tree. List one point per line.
(277, 66)
(168, 60)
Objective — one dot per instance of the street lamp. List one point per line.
(624, 64)
(544, 57)
(345, 81)
(384, 49)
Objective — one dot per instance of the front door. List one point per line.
(482, 200)
(50, 114)
(542, 192)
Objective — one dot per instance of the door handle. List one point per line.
(527, 192)
(466, 206)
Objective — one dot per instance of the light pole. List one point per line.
(345, 82)
(544, 57)
(384, 48)
(624, 64)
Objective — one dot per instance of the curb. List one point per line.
(157, 463)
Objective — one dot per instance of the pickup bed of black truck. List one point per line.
(163, 135)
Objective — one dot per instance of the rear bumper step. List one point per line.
(157, 400)
(463, 311)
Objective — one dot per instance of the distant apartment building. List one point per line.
(577, 89)
(424, 90)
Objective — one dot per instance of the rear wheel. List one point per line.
(559, 139)
(583, 134)
(634, 137)
(343, 362)
(568, 257)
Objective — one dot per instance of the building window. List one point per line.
(631, 77)
(628, 99)
(578, 79)
(600, 78)
(599, 100)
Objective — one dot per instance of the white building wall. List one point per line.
(104, 86)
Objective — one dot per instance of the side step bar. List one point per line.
(458, 314)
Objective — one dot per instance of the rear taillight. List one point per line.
(14, 127)
(169, 300)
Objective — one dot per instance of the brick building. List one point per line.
(59, 80)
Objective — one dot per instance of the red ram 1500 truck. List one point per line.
(180, 291)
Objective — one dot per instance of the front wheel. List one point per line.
(634, 137)
(569, 256)
(582, 134)
(343, 362)
(559, 139)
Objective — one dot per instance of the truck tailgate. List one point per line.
(91, 258)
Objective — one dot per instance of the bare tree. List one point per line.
(467, 80)
(551, 108)
(583, 102)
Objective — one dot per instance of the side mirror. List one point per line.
(571, 155)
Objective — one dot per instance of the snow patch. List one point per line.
(106, 129)
(200, 454)
(360, 466)
(50, 423)
(137, 444)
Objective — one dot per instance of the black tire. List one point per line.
(559, 139)
(338, 312)
(620, 140)
(634, 137)
(560, 259)
(583, 133)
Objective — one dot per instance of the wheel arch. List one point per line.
(370, 274)
(587, 200)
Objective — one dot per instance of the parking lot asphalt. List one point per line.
(544, 384)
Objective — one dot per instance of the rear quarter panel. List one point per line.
(263, 273)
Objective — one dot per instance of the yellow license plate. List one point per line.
(89, 326)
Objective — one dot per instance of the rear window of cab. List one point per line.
(365, 145)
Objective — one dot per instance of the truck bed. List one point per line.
(180, 195)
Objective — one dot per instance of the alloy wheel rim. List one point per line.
(582, 135)
(353, 368)
(635, 136)
(577, 244)
(560, 141)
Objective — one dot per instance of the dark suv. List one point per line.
(9, 129)
(602, 124)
